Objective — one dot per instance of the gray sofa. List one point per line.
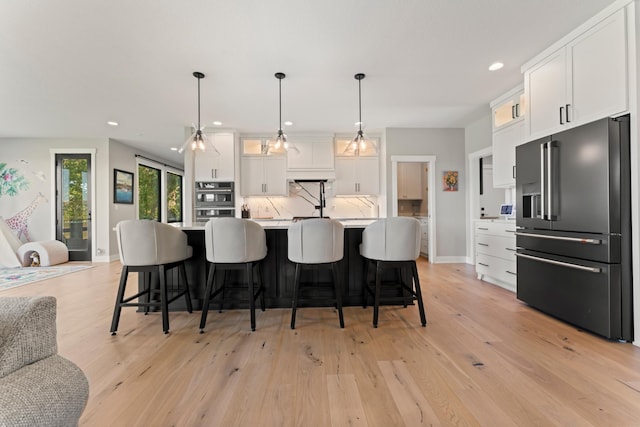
(37, 386)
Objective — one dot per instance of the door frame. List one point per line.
(431, 199)
(52, 190)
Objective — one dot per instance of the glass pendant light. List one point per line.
(281, 137)
(198, 140)
(359, 142)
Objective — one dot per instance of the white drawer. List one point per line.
(499, 246)
(498, 268)
(496, 228)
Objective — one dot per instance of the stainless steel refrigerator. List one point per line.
(573, 222)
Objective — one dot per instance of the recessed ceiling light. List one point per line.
(496, 66)
(174, 149)
(216, 123)
(288, 123)
(112, 123)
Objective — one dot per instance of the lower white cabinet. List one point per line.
(424, 236)
(496, 252)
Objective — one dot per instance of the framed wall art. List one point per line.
(122, 187)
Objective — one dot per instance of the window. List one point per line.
(174, 197)
(159, 196)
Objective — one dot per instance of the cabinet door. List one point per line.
(546, 89)
(311, 155)
(410, 181)
(252, 176)
(275, 169)
(345, 176)
(599, 71)
(225, 162)
(204, 165)
(368, 178)
(504, 154)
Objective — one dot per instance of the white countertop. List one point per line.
(275, 224)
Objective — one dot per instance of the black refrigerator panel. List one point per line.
(587, 246)
(583, 185)
(584, 293)
(530, 164)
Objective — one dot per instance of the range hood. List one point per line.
(311, 175)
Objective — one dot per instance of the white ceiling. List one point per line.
(69, 66)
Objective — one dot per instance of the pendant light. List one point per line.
(198, 140)
(281, 137)
(359, 142)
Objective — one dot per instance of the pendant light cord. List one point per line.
(360, 103)
(280, 104)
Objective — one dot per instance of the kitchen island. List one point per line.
(277, 270)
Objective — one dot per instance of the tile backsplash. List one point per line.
(304, 197)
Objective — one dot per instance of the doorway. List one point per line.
(426, 207)
(73, 204)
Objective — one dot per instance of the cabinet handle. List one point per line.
(483, 244)
(517, 110)
(484, 265)
(510, 249)
(511, 272)
(513, 171)
(566, 112)
(561, 115)
(481, 228)
(513, 112)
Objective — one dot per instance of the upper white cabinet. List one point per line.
(311, 155)
(357, 172)
(585, 80)
(209, 166)
(505, 142)
(409, 181)
(509, 108)
(263, 169)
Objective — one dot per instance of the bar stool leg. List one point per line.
(118, 308)
(260, 287)
(164, 307)
(414, 271)
(365, 287)
(338, 293)
(252, 299)
(376, 298)
(294, 303)
(187, 296)
(207, 297)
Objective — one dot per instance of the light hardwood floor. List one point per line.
(483, 359)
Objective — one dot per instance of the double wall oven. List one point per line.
(214, 199)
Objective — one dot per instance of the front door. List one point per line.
(73, 204)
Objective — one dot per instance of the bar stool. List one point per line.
(392, 243)
(152, 248)
(234, 244)
(316, 242)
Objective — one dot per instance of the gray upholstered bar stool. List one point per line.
(317, 242)
(234, 244)
(152, 248)
(392, 243)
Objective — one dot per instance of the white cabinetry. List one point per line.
(509, 108)
(585, 80)
(262, 174)
(505, 142)
(409, 181)
(311, 155)
(424, 236)
(209, 166)
(496, 252)
(356, 173)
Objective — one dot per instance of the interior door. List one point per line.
(73, 204)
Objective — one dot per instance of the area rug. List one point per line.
(12, 277)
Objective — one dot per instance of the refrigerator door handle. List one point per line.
(564, 239)
(549, 183)
(542, 183)
(561, 264)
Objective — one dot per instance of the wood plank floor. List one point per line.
(484, 359)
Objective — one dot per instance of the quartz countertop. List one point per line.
(275, 224)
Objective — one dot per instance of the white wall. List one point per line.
(448, 145)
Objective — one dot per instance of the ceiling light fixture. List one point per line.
(198, 140)
(281, 137)
(112, 123)
(496, 66)
(359, 142)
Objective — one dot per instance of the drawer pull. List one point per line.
(482, 228)
(564, 239)
(562, 264)
(511, 272)
(510, 249)
(484, 265)
(483, 244)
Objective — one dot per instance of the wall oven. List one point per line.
(214, 199)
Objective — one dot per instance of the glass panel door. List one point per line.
(73, 204)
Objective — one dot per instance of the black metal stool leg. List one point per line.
(164, 306)
(338, 291)
(294, 302)
(118, 307)
(376, 298)
(207, 297)
(187, 296)
(414, 270)
(252, 298)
